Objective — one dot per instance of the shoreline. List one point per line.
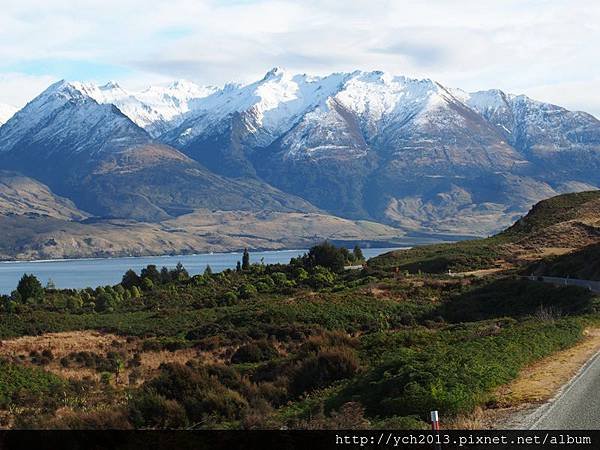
(106, 258)
(349, 244)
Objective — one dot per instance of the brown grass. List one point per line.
(62, 344)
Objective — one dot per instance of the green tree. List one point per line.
(135, 292)
(208, 271)
(147, 284)
(105, 302)
(246, 260)
(180, 272)
(238, 267)
(327, 255)
(130, 279)
(300, 274)
(358, 254)
(151, 272)
(165, 275)
(247, 291)
(74, 302)
(29, 287)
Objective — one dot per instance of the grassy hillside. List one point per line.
(297, 345)
(567, 221)
(304, 345)
(583, 264)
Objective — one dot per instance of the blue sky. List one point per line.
(544, 48)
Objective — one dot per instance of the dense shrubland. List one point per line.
(303, 345)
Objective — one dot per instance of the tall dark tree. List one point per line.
(29, 287)
(130, 279)
(238, 267)
(180, 272)
(165, 275)
(208, 270)
(151, 272)
(246, 260)
(358, 254)
(327, 255)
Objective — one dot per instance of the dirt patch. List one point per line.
(481, 273)
(534, 386)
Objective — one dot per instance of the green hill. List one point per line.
(568, 222)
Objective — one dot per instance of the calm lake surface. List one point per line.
(81, 273)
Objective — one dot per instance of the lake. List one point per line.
(81, 273)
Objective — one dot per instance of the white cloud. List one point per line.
(18, 88)
(545, 48)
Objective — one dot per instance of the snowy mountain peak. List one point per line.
(275, 72)
(492, 99)
(65, 89)
(110, 85)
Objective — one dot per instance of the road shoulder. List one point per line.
(519, 404)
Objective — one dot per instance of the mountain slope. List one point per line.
(44, 237)
(566, 142)
(22, 195)
(155, 109)
(96, 156)
(557, 226)
(411, 153)
(363, 145)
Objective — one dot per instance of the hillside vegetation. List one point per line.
(304, 345)
(560, 224)
(583, 264)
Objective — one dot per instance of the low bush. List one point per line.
(320, 370)
(254, 352)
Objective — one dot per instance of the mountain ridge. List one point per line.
(409, 153)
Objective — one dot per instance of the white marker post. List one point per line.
(435, 426)
(435, 421)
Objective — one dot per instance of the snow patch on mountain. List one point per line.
(341, 105)
(156, 108)
(268, 107)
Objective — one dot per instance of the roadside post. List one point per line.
(435, 421)
(435, 426)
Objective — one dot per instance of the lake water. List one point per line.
(81, 273)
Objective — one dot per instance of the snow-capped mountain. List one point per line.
(95, 155)
(535, 127)
(337, 115)
(268, 107)
(400, 150)
(65, 121)
(6, 112)
(365, 145)
(155, 109)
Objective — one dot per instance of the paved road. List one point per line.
(578, 407)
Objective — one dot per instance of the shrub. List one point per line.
(262, 287)
(106, 378)
(203, 396)
(247, 291)
(320, 370)
(230, 298)
(150, 410)
(254, 352)
(279, 278)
